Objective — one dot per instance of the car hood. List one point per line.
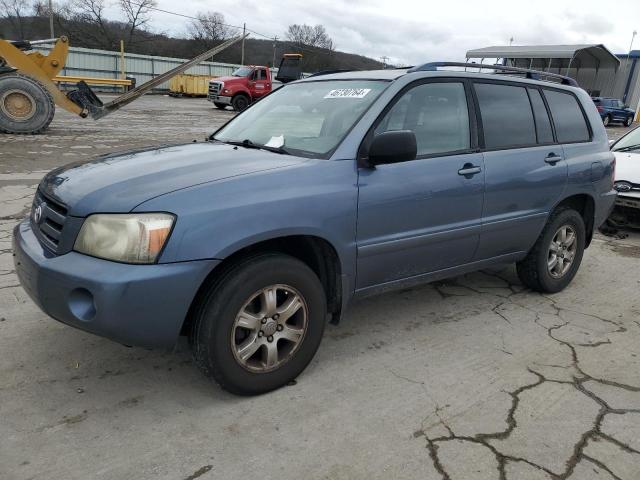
(120, 182)
(229, 79)
(628, 166)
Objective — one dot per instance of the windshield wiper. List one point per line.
(628, 148)
(246, 143)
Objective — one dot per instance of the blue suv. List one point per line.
(613, 110)
(333, 187)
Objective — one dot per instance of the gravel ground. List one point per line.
(472, 378)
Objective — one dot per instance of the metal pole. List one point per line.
(51, 19)
(122, 73)
(626, 63)
(244, 33)
(275, 40)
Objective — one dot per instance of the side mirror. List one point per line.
(393, 147)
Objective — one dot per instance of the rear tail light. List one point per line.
(600, 109)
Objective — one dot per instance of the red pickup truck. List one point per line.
(248, 83)
(245, 85)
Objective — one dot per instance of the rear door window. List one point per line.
(568, 118)
(543, 124)
(507, 119)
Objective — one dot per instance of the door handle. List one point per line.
(469, 170)
(552, 158)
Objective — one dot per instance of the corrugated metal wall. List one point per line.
(88, 62)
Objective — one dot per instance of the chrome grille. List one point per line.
(214, 88)
(48, 217)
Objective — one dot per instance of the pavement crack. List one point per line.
(601, 465)
(577, 382)
(410, 380)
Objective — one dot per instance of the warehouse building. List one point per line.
(595, 68)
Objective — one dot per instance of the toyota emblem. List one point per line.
(37, 213)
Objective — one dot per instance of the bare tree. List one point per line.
(312, 36)
(87, 22)
(137, 13)
(209, 28)
(15, 11)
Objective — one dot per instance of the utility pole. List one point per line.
(511, 41)
(384, 59)
(244, 30)
(275, 42)
(626, 63)
(51, 19)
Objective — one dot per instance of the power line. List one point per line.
(238, 27)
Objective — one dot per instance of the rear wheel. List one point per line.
(555, 258)
(606, 120)
(26, 107)
(260, 325)
(628, 121)
(240, 102)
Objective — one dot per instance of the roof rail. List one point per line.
(329, 72)
(533, 74)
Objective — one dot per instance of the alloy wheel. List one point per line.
(562, 251)
(269, 328)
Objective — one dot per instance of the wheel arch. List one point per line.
(316, 252)
(584, 204)
(243, 92)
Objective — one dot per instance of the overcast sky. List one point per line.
(410, 32)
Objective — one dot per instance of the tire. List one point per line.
(534, 271)
(218, 341)
(240, 102)
(606, 121)
(628, 121)
(221, 106)
(26, 107)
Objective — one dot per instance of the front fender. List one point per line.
(314, 197)
(238, 90)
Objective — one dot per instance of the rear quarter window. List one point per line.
(571, 126)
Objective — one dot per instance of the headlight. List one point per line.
(130, 238)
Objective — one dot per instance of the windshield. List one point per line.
(630, 142)
(308, 119)
(242, 72)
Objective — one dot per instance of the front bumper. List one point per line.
(142, 305)
(220, 99)
(626, 212)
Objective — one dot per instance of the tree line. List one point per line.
(86, 24)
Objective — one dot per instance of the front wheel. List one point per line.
(260, 324)
(554, 259)
(240, 102)
(628, 121)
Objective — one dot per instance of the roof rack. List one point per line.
(533, 74)
(329, 72)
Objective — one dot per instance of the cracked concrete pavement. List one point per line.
(470, 378)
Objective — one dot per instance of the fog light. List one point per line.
(81, 304)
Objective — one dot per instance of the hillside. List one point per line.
(257, 51)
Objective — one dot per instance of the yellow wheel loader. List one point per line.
(29, 94)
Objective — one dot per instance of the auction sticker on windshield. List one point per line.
(348, 93)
